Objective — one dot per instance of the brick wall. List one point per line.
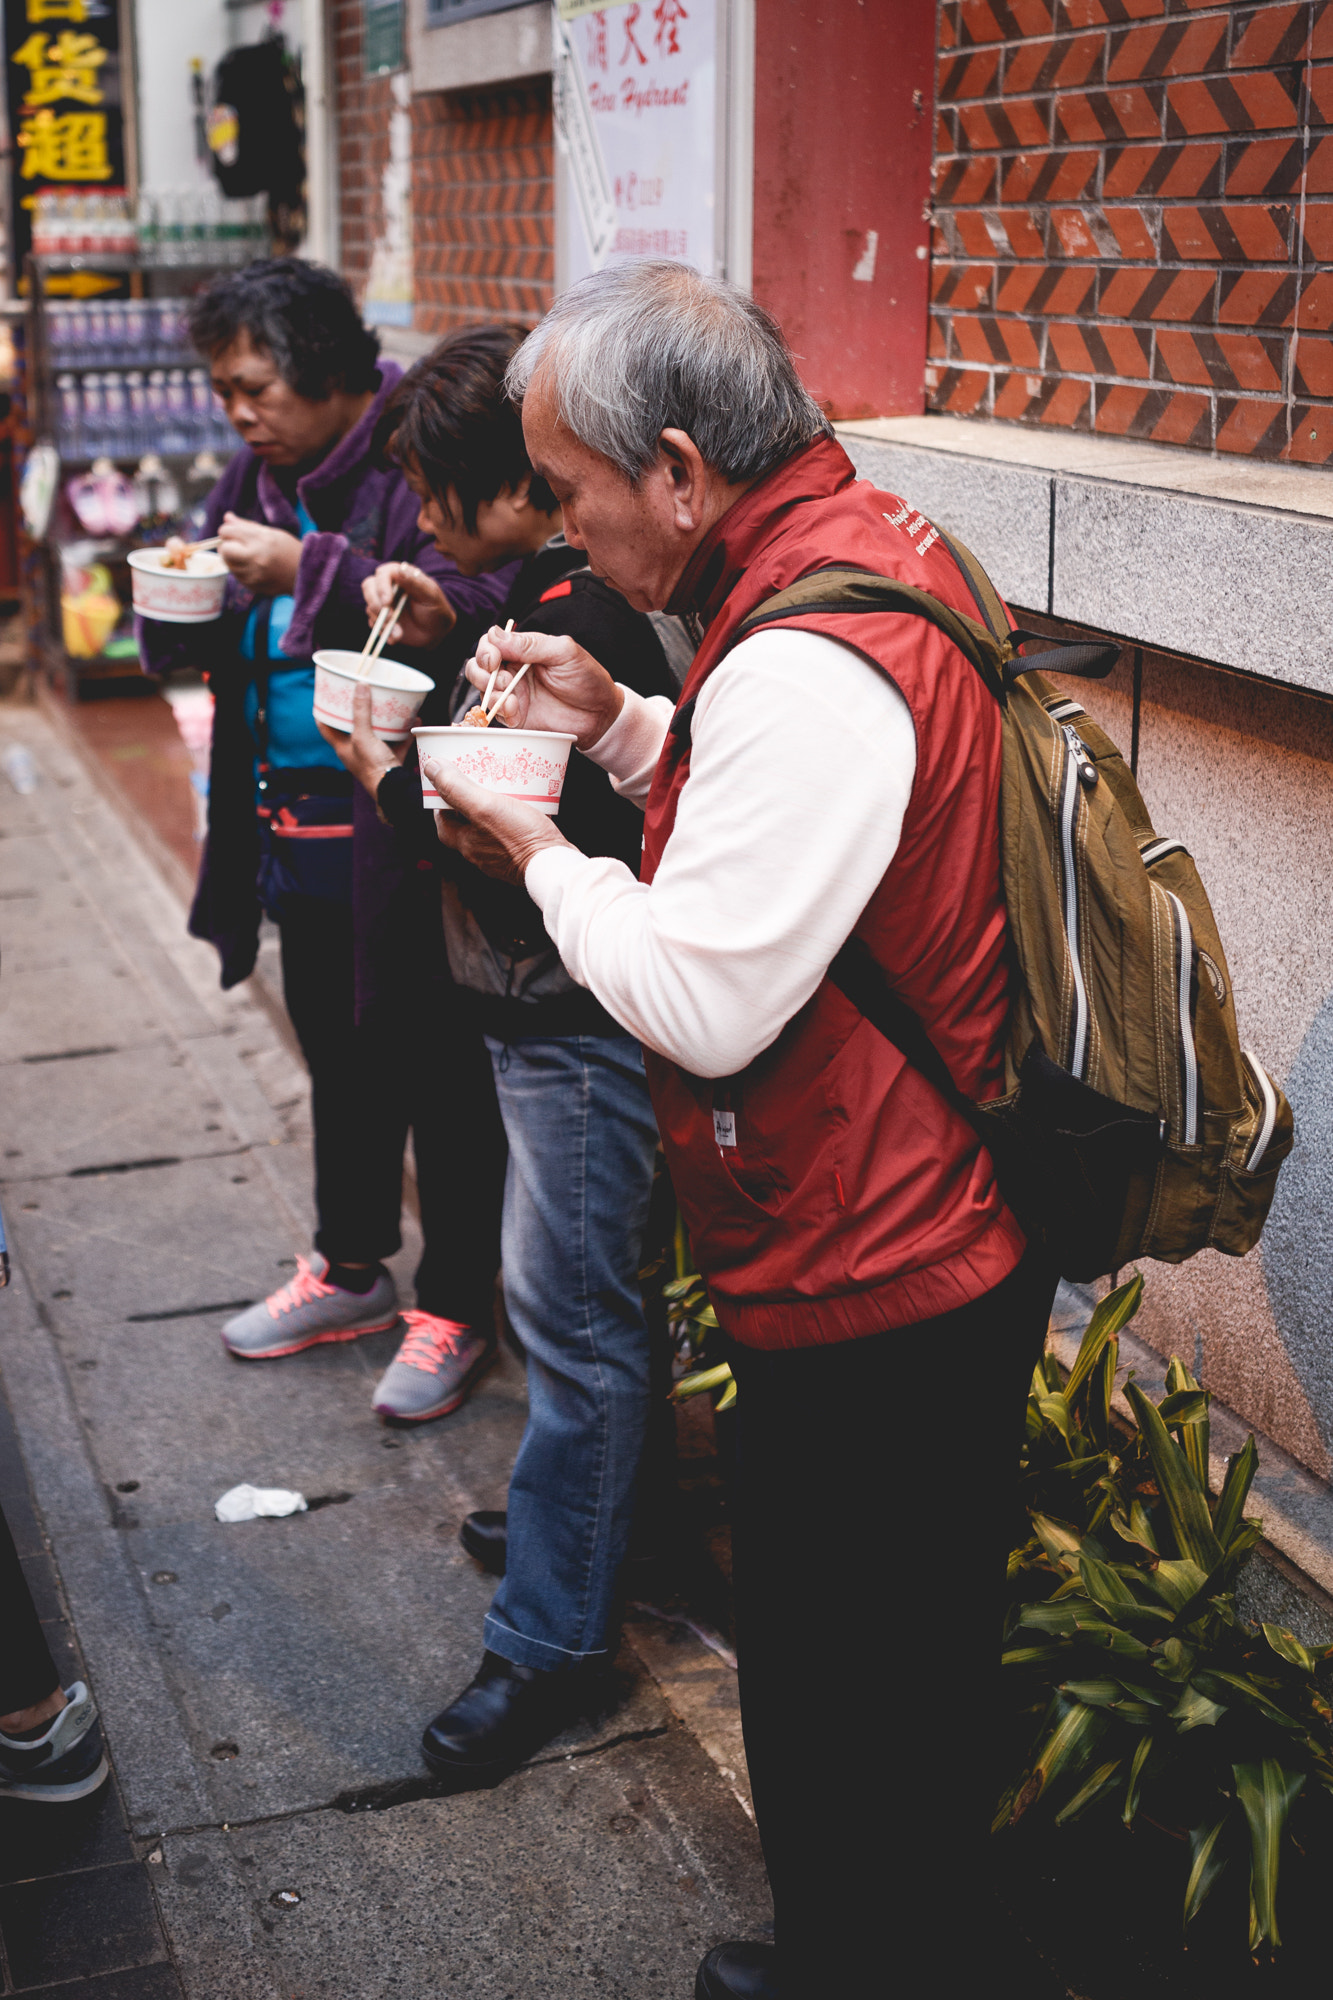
(483, 227)
(363, 105)
(483, 212)
(1134, 220)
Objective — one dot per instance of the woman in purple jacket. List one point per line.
(304, 513)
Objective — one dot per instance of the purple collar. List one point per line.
(348, 455)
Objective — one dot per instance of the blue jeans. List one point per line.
(582, 1141)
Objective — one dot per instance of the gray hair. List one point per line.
(649, 345)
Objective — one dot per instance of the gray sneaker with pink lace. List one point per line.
(433, 1370)
(306, 1311)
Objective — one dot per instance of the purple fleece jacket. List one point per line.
(364, 514)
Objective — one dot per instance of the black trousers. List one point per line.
(417, 1070)
(875, 1502)
(27, 1671)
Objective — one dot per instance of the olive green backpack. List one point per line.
(1131, 1123)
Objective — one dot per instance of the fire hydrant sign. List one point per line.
(636, 111)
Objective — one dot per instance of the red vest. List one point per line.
(853, 1198)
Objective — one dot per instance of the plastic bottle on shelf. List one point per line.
(43, 222)
(146, 230)
(69, 426)
(171, 228)
(135, 325)
(115, 405)
(168, 342)
(201, 408)
(92, 423)
(176, 432)
(138, 431)
(129, 235)
(155, 397)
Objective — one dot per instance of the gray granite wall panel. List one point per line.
(1232, 584)
(1002, 512)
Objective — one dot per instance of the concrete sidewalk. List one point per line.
(263, 1686)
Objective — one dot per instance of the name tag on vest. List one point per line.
(724, 1127)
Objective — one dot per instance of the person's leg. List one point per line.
(50, 1740)
(360, 1129)
(874, 1504)
(28, 1677)
(581, 1148)
(459, 1143)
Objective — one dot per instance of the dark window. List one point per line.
(440, 13)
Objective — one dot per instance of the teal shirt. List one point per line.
(294, 741)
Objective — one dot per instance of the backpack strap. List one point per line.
(860, 978)
(854, 591)
(993, 652)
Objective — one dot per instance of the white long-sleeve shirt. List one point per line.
(801, 767)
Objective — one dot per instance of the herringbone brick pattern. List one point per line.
(1134, 220)
(483, 233)
(483, 210)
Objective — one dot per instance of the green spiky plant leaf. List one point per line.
(1143, 1688)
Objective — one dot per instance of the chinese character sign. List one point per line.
(63, 74)
(637, 110)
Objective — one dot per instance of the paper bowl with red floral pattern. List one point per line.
(396, 692)
(189, 596)
(528, 765)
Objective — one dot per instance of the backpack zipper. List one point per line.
(1184, 971)
(1269, 1096)
(1070, 788)
(1157, 850)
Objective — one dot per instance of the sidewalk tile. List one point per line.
(71, 1926)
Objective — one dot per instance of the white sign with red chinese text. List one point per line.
(637, 118)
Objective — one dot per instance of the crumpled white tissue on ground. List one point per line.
(248, 1503)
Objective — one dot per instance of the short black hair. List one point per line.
(451, 420)
(302, 314)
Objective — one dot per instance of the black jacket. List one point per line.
(500, 953)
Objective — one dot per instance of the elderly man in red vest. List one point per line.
(825, 777)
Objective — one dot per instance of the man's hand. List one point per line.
(428, 614)
(496, 834)
(366, 755)
(564, 688)
(263, 560)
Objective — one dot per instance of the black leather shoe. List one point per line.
(500, 1718)
(739, 1972)
(484, 1536)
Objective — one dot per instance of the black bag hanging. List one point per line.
(255, 128)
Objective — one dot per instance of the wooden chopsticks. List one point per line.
(379, 634)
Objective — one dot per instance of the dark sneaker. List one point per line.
(433, 1370)
(67, 1763)
(306, 1311)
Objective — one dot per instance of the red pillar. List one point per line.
(844, 108)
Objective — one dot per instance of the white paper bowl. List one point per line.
(396, 692)
(189, 596)
(524, 764)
